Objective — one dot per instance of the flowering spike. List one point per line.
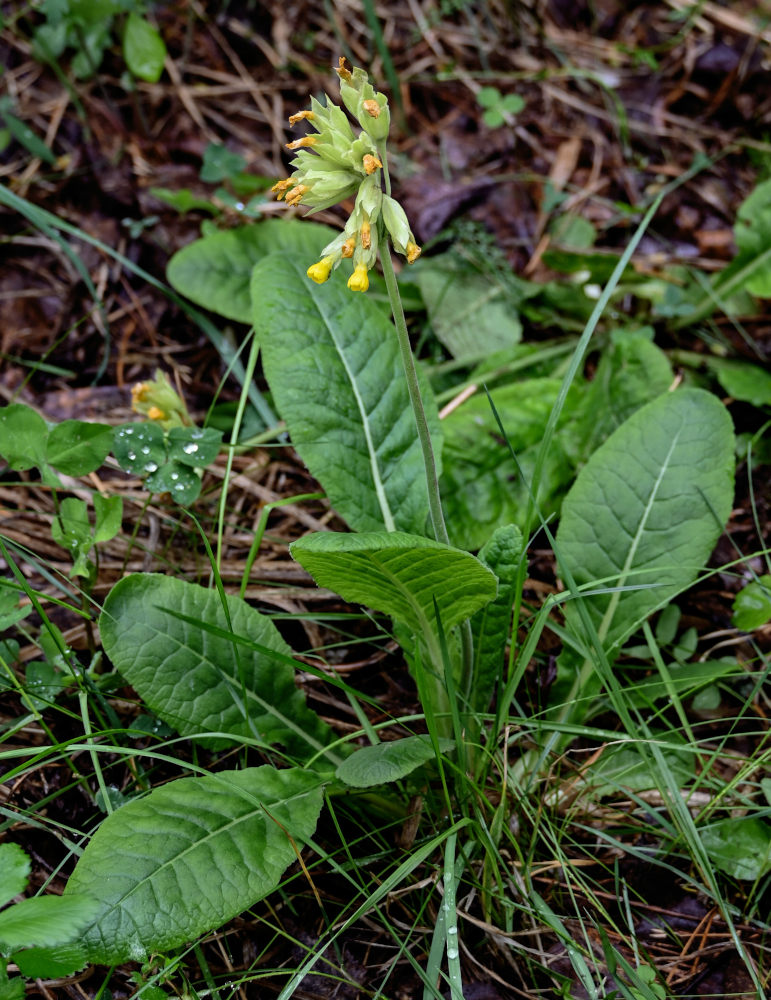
(358, 281)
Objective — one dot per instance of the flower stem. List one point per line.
(410, 372)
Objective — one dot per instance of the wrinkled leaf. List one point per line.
(333, 365)
(384, 762)
(190, 678)
(471, 313)
(214, 272)
(647, 510)
(399, 574)
(191, 855)
(739, 846)
(492, 624)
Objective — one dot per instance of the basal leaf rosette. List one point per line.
(335, 164)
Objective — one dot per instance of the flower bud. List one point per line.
(358, 281)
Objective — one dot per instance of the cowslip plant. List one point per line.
(638, 524)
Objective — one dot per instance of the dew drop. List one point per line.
(452, 954)
(145, 449)
(151, 466)
(132, 456)
(190, 449)
(175, 475)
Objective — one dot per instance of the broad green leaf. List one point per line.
(190, 856)
(190, 677)
(739, 846)
(753, 239)
(625, 767)
(332, 361)
(472, 313)
(140, 448)
(752, 605)
(398, 574)
(384, 762)
(742, 380)
(50, 963)
(632, 372)
(46, 920)
(14, 871)
(492, 624)
(685, 679)
(23, 435)
(220, 163)
(194, 446)
(143, 48)
(481, 488)
(647, 510)
(214, 271)
(76, 447)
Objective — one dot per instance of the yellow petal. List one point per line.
(320, 271)
(358, 281)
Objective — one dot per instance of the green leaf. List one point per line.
(739, 846)
(184, 200)
(140, 448)
(753, 239)
(219, 163)
(76, 447)
(109, 516)
(631, 372)
(333, 365)
(14, 871)
(492, 624)
(190, 856)
(481, 488)
(647, 510)
(46, 920)
(72, 530)
(182, 482)
(472, 313)
(399, 574)
(488, 97)
(44, 683)
(746, 382)
(214, 272)
(23, 435)
(13, 989)
(384, 762)
(143, 48)
(194, 446)
(50, 963)
(625, 767)
(752, 605)
(685, 678)
(191, 678)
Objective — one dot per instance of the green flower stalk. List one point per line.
(335, 164)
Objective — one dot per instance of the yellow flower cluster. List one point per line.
(334, 164)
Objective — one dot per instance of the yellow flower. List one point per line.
(307, 140)
(358, 281)
(156, 413)
(138, 393)
(320, 271)
(412, 252)
(301, 116)
(348, 247)
(372, 108)
(371, 163)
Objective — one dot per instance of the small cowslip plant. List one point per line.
(640, 519)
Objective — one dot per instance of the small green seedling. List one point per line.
(38, 935)
(498, 106)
